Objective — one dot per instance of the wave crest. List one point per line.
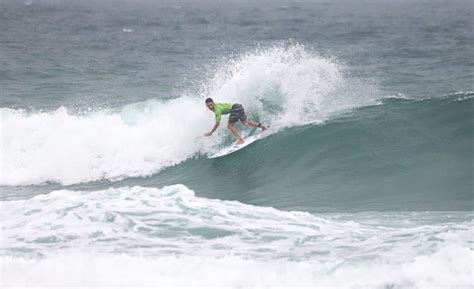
(286, 86)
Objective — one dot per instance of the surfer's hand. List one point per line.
(207, 134)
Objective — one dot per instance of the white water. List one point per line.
(64, 148)
(282, 86)
(291, 85)
(169, 237)
(448, 268)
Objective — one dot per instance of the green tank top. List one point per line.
(220, 109)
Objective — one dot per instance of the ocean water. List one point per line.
(365, 179)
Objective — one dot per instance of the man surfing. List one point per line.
(236, 113)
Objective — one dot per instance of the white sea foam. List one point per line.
(137, 141)
(291, 85)
(169, 237)
(285, 86)
(450, 267)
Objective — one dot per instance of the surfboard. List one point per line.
(235, 147)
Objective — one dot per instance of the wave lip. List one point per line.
(291, 85)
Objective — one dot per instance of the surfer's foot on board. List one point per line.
(262, 126)
(240, 141)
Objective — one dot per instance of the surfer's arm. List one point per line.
(213, 129)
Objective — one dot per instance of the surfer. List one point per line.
(236, 113)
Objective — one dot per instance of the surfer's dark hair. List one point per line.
(209, 100)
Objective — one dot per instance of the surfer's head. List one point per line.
(210, 103)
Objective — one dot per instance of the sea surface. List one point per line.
(364, 180)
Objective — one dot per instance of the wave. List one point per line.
(171, 232)
(286, 86)
(400, 155)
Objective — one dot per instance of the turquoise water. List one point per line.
(365, 179)
(400, 155)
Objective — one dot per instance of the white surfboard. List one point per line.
(235, 147)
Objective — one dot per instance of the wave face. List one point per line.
(147, 236)
(396, 156)
(285, 86)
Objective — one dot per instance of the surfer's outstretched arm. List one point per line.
(213, 129)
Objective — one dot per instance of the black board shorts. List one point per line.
(237, 113)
